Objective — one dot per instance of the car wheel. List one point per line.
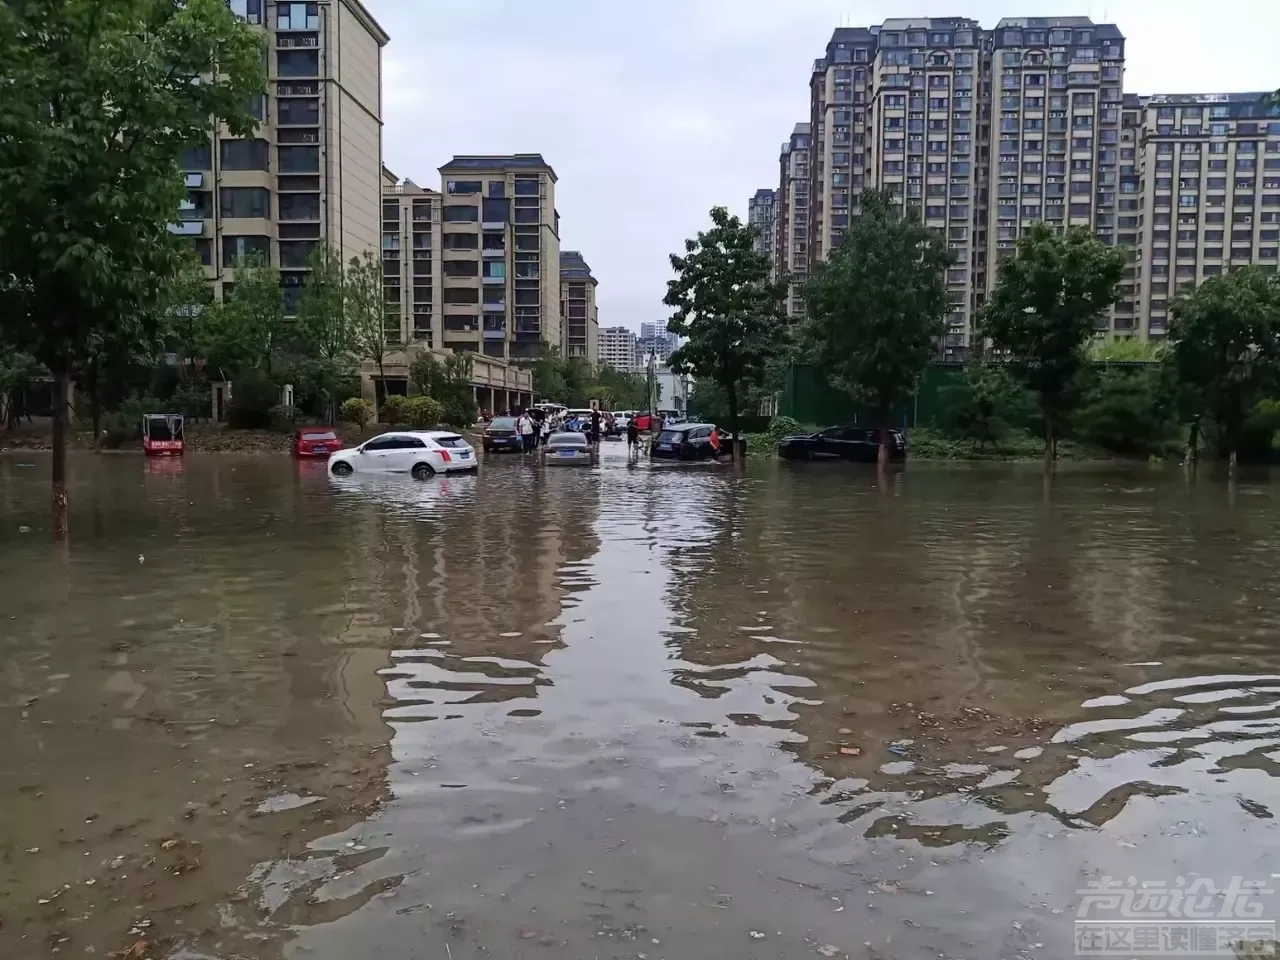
(341, 469)
(422, 471)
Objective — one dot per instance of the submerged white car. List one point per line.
(419, 453)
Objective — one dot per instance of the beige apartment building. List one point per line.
(500, 256)
(791, 235)
(1209, 185)
(412, 244)
(618, 348)
(312, 171)
(579, 317)
(983, 131)
(762, 213)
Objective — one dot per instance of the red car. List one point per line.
(315, 443)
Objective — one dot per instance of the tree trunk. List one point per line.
(1050, 442)
(1193, 441)
(732, 391)
(95, 406)
(61, 425)
(882, 455)
(380, 385)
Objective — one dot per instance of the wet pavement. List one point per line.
(625, 712)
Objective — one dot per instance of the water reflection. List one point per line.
(629, 705)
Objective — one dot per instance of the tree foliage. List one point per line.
(447, 381)
(243, 331)
(1226, 347)
(99, 101)
(728, 307)
(1126, 410)
(366, 305)
(326, 327)
(985, 405)
(1044, 311)
(876, 307)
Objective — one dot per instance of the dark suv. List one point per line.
(861, 444)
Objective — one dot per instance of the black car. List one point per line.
(502, 433)
(861, 444)
(685, 441)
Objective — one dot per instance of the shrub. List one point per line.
(356, 410)
(252, 398)
(1127, 411)
(124, 425)
(393, 409)
(459, 411)
(194, 400)
(984, 406)
(422, 413)
(281, 418)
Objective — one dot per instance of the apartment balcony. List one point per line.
(187, 228)
(493, 281)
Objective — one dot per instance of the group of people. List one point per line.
(535, 426)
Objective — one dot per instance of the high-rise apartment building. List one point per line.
(500, 256)
(655, 340)
(1057, 97)
(411, 262)
(983, 131)
(312, 171)
(579, 317)
(761, 213)
(618, 348)
(791, 235)
(1209, 176)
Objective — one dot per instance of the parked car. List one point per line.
(419, 453)
(686, 441)
(314, 443)
(502, 433)
(566, 449)
(861, 444)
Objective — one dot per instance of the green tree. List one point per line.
(1226, 348)
(448, 381)
(876, 307)
(1044, 311)
(370, 315)
(17, 369)
(729, 308)
(326, 325)
(100, 99)
(1126, 409)
(242, 333)
(984, 405)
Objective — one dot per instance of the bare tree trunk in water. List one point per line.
(732, 390)
(95, 407)
(882, 454)
(61, 427)
(1050, 445)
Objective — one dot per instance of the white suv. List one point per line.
(419, 453)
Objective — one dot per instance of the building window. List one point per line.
(243, 201)
(297, 16)
(297, 63)
(199, 157)
(233, 248)
(296, 253)
(527, 186)
(461, 213)
(462, 187)
(461, 268)
(299, 206)
(243, 154)
(298, 112)
(298, 159)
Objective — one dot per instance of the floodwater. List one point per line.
(625, 712)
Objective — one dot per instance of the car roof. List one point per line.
(567, 435)
(688, 426)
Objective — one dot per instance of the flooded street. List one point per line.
(624, 712)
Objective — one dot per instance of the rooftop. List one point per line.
(515, 161)
(765, 195)
(1206, 99)
(574, 266)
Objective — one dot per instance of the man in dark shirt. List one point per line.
(595, 426)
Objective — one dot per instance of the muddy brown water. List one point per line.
(624, 712)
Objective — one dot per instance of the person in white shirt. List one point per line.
(526, 432)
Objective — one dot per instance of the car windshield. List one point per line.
(502, 423)
(671, 436)
(449, 442)
(318, 435)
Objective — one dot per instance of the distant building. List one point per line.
(618, 348)
(579, 316)
(791, 235)
(762, 213)
(656, 340)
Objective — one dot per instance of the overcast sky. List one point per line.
(653, 111)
